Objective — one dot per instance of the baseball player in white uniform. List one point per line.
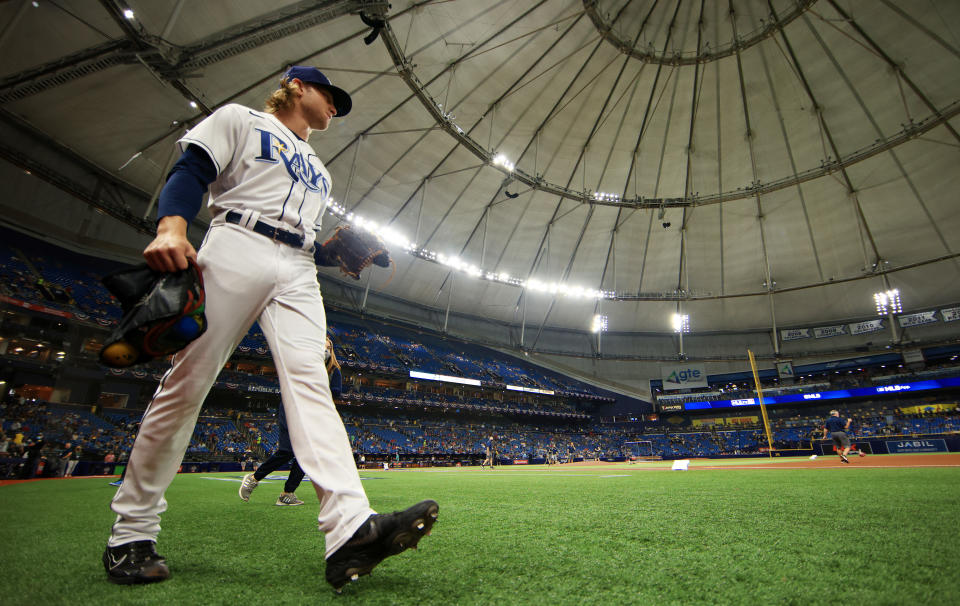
(267, 190)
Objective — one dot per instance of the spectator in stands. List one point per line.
(248, 459)
(73, 460)
(64, 459)
(33, 449)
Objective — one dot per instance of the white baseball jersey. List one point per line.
(261, 165)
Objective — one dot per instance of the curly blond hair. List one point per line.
(282, 98)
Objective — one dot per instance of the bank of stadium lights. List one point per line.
(599, 323)
(888, 302)
(680, 322)
(502, 161)
(601, 196)
(394, 237)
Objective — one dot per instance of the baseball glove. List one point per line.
(162, 314)
(353, 250)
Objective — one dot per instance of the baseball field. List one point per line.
(882, 530)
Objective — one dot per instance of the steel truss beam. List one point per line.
(701, 56)
(444, 120)
(172, 62)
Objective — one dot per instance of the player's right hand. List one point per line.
(170, 250)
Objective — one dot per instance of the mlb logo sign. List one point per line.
(785, 370)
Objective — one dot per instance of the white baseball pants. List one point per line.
(248, 277)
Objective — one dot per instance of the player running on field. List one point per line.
(268, 189)
(837, 428)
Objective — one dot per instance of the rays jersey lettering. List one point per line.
(298, 167)
(261, 165)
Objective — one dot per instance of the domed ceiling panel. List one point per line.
(706, 155)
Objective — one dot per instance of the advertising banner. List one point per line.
(683, 377)
(927, 445)
(785, 370)
(913, 355)
(856, 392)
(35, 307)
(927, 408)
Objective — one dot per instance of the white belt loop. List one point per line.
(249, 218)
(309, 236)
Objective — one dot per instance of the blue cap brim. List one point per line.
(341, 99)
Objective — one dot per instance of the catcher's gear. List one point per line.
(333, 370)
(353, 250)
(162, 314)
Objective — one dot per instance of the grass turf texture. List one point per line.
(526, 535)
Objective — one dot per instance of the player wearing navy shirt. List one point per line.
(837, 428)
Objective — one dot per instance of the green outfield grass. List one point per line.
(611, 534)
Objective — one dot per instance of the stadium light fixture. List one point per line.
(602, 196)
(396, 238)
(128, 13)
(599, 323)
(502, 161)
(888, 302)
(681, 323)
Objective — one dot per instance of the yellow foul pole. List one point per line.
(763, 407)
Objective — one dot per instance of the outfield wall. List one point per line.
(899, 444)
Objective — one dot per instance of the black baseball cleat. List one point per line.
(844, 459)
(381, 536)
(136, 562)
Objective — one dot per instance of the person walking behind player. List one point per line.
(284, 453)
(268, 190)
(837, 428)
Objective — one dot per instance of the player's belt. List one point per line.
(274, 233)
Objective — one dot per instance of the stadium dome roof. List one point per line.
(755, 164)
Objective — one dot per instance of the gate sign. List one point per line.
(683, 377)
(935, 445)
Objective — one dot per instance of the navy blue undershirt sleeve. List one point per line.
(187, 181)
